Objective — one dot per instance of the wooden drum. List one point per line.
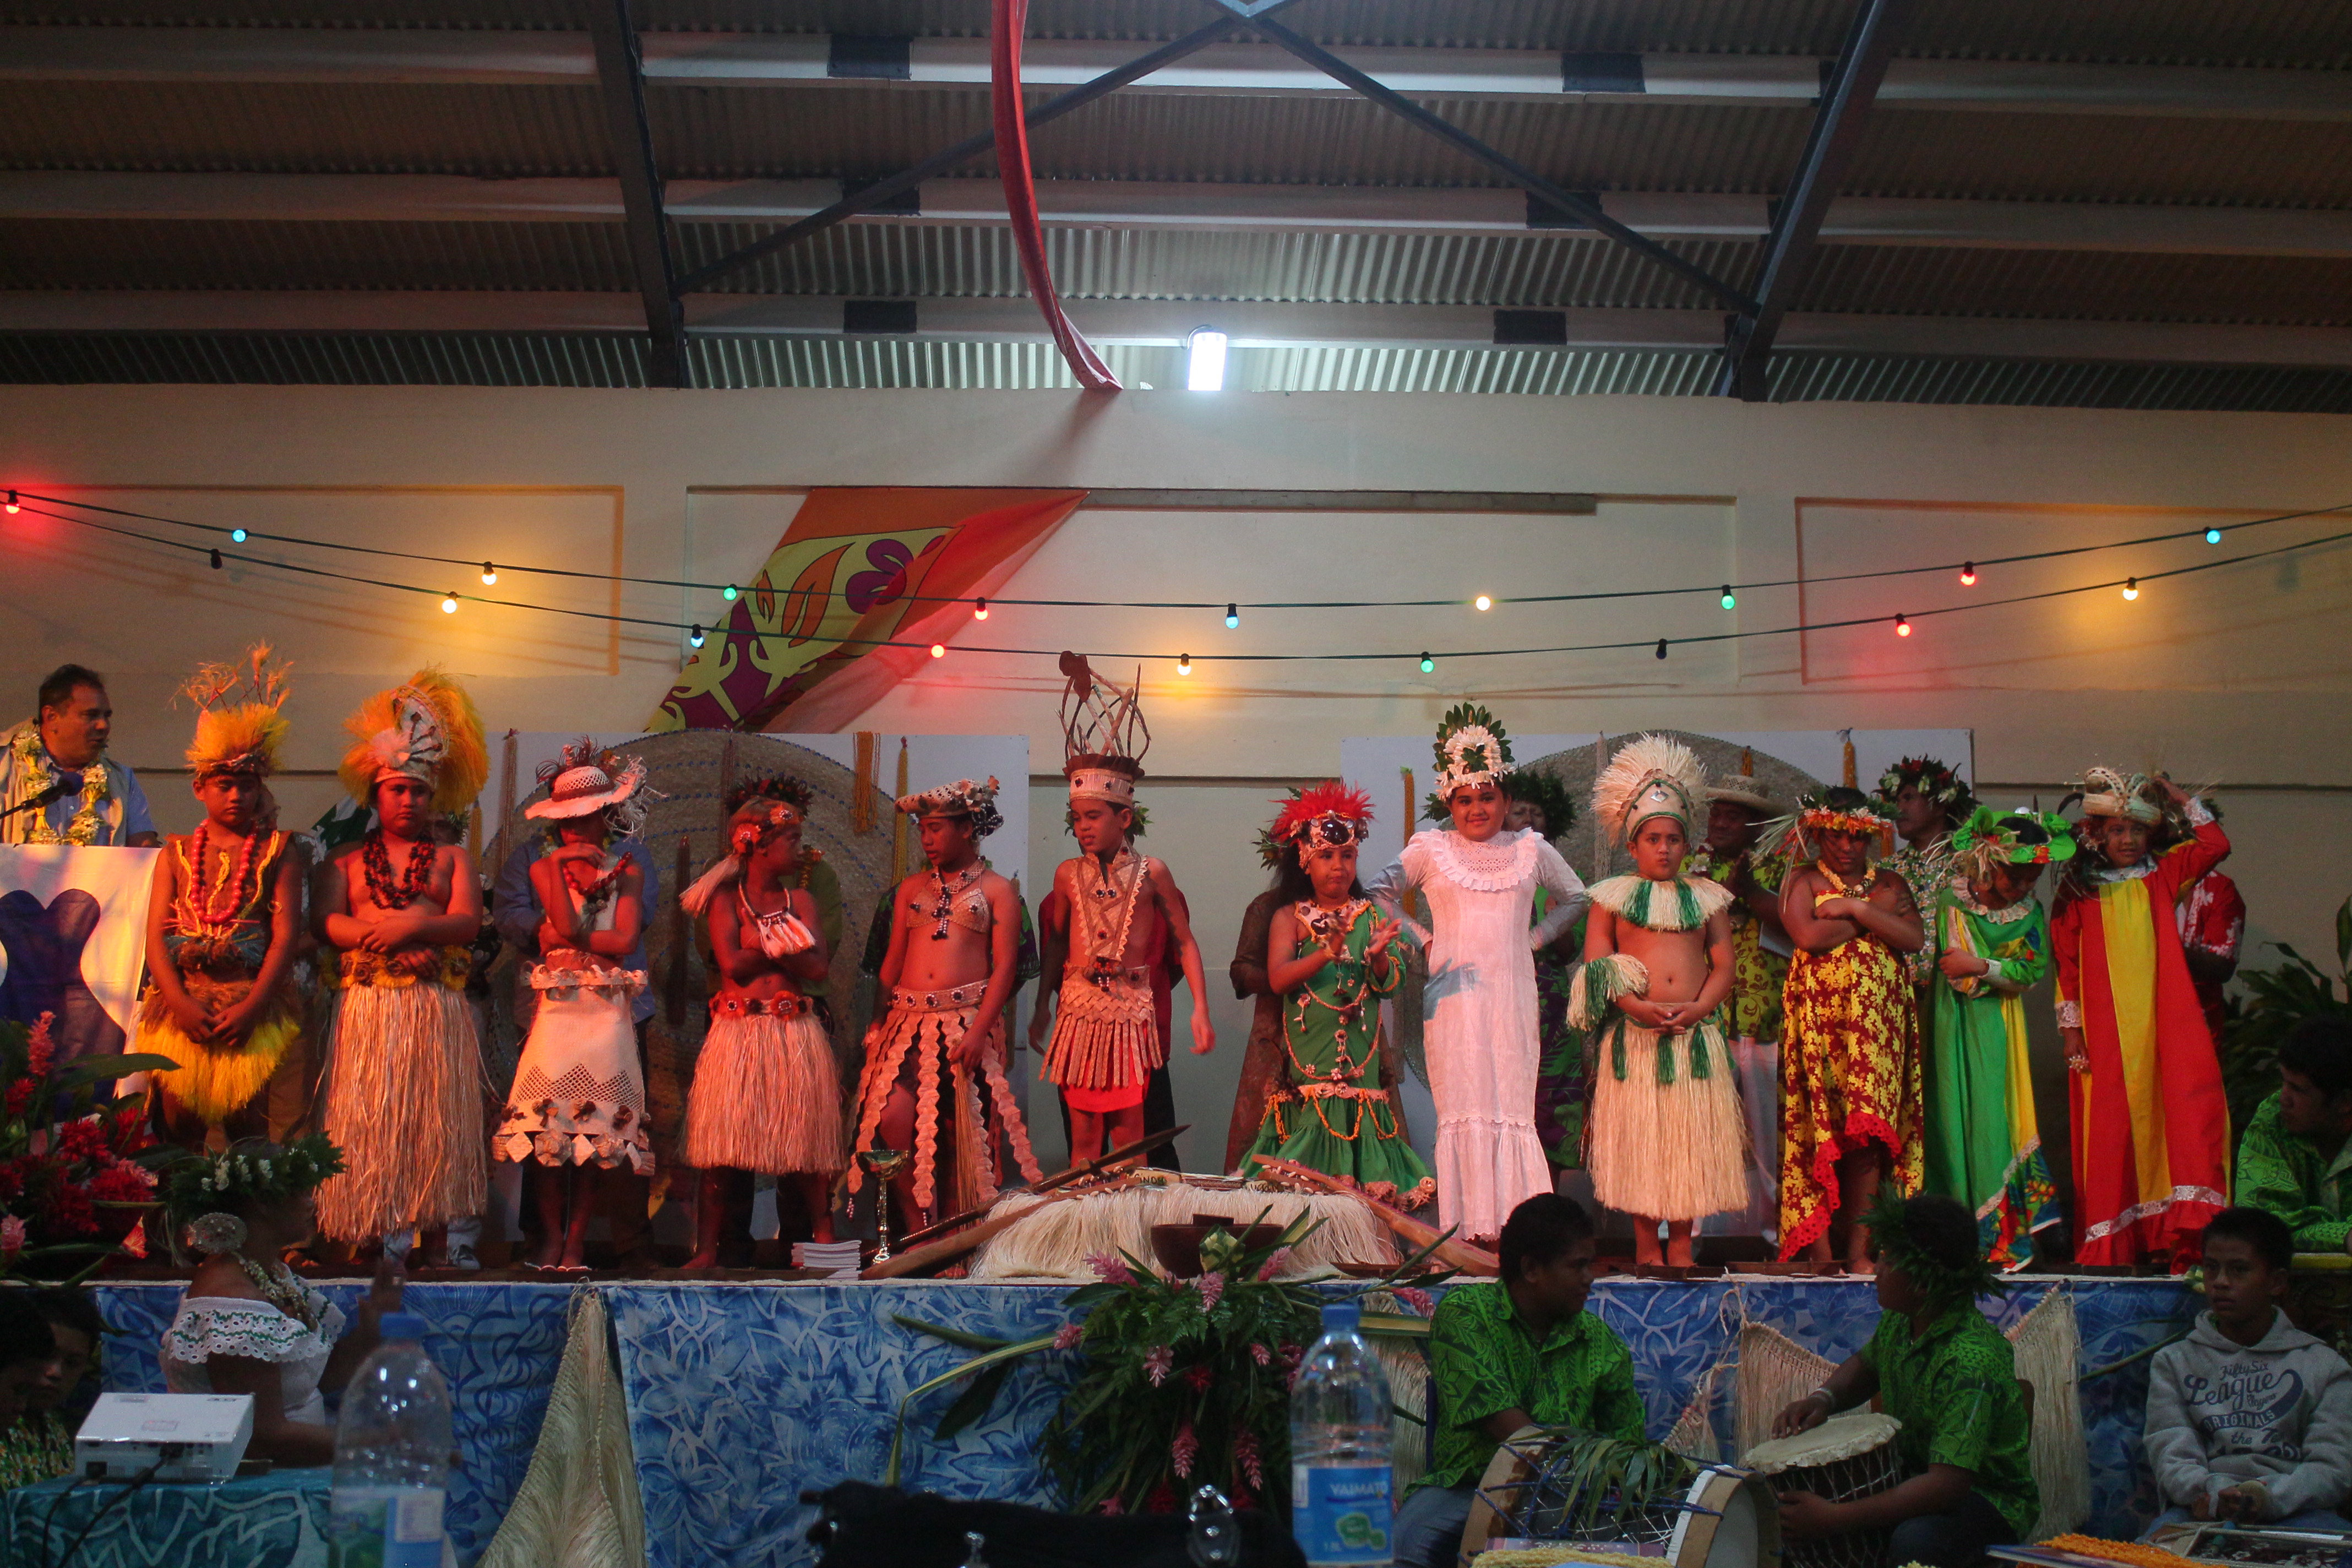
(1725, 1518)
(1846, 1457)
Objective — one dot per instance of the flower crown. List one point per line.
(770, 786)
(205, 1182)
(1930, 777)
(1471, 748)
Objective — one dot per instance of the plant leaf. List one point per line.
(953, 1336)
(974, 1403)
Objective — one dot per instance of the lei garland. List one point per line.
(97, 789)
(414, 878)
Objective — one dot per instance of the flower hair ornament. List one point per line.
(196, 1188)
(1326, 816)
(1471, 749)
(583, 781)
(965, 798)
(1931, 777)
(756, 821)
(1840, 808)
(1650, 777)
(1991, 838)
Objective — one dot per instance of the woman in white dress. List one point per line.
(247, 1325)
(579, 1094)
(1479, 1031)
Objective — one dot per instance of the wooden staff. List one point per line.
(947, 1249)
(1142, 1145)
(1450, 1251)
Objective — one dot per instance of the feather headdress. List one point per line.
(235, 736)
(427, 730)
(1649, 777)
(1324, 814)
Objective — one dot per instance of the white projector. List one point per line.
(187, 1437)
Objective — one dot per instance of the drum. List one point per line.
(1846, 1457)
(1725, 1517)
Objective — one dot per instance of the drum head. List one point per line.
(1735, 1523)
(1839, 1438)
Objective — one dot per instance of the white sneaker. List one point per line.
(462, 1256)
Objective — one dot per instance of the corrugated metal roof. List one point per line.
(618, 362)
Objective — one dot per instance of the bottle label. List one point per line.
(1341, 1514)
(387, 1527)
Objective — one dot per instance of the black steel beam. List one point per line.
(1788, 249)
(881, 192)
(1584, 208)
(621, 77)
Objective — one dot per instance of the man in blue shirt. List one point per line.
(57, 784)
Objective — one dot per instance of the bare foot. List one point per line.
(1861, 1265)
(575, 1256)
(702, 1261)
(1678, 1254)
(549, 1254)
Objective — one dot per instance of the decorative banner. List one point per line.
(73, 923)
(800, 651)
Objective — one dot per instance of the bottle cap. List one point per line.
(1346, 1315)
(400, 1326)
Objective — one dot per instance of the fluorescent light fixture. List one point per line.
(1205, 371)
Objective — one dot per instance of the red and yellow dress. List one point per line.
(1849, 1072)
(2151, 1122)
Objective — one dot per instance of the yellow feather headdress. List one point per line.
(428, 729)
(235, 736)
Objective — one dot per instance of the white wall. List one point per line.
(2238, 677)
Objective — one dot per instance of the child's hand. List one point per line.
(1205, 1035)
(1038, 1022)
(1958, 966)
(195, 1020)
(967, 1050)
(235, 1023)
(1383, 933)
(2078, 1056)
(1644, 1010)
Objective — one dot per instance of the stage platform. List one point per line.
(740, 1395)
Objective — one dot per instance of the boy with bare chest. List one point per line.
(403, 1089)
(935, 1076)
(1667, 1132)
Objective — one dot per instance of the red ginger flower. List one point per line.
(1158, 1363)
(1200, 1377)
(1184, 1451)
(1069, 1336)
(1212, 1286)
(39, 1049)
(20, 1095)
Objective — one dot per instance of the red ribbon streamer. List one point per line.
(1010, 23)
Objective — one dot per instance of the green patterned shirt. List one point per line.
(1482, 1361)
(1955, 1390)
(37, 1448)
(2290, 1176)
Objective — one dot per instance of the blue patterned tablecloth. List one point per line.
(498, 1344)
(277, 1520)
(742, 1396)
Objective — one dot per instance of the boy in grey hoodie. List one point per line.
(2249, 1419)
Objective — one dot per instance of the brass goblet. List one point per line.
(884, 1165)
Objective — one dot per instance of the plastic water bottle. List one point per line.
(1341, 1507)
(392, 1457)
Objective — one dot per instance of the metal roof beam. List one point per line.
(1203, 207)
(620, 80)
(1797, 224)
(494, 57)
(1157, 323)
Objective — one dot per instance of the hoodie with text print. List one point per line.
(2278, 1412)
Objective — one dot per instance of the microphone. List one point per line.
(55, 792)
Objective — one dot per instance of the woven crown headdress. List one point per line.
(965, 797)
(427, 730)
(1101, 727)
(1650, 777)
(2110, 792)
(240, 721)
(1471, 749)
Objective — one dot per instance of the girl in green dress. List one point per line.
(1992, 943)
(1331, 959)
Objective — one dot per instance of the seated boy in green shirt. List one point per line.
(1947, 1374)
(2295, 1158)
(1521, 1352)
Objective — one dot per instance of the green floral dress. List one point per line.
(1333, 1116)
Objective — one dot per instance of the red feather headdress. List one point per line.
(1333, 801)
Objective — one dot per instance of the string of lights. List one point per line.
(1426, 660)
(1727, 594)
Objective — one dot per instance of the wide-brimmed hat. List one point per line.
(1742, 791)
(584, 782)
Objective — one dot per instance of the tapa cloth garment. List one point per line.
(1479, 1038)
(1849, 1077)
(766, 1096)
(2151, 1123)
(403, 1098)
(1667, 1138)
(579, 1094)
(1106, 1041)
(910, 1046)
(2278, 1411)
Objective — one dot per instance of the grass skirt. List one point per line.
(766, 1096)
(403, 1103)
(215, 1082)
(1666, 1142)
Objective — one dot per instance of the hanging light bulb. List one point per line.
(12, 502)
(1484, 602)
(489, 575)
(236, 536)
(939, 651)
(216, 560)
(2213, 535)
(1428, 665)
(2131, 587)
(449, 603)
(1661, 648)
(730, 595)
(1232, 617)
(694, 637)
(1901, 625)
(1183, 664)
(980, 609)
(1968, 573)
(1730, 599)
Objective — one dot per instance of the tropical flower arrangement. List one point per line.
(1184, 1383)
(77, 1171)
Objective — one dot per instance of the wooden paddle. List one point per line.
(1454, 1252)
(947, 1249)
(1143, 1145)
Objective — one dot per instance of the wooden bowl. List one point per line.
(1178, 1247)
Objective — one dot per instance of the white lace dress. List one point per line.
(208, 1326)
(1479, 1008)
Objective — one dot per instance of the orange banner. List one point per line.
(857, 568)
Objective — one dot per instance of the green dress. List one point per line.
(1332, 1115)
(1984, 1145)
